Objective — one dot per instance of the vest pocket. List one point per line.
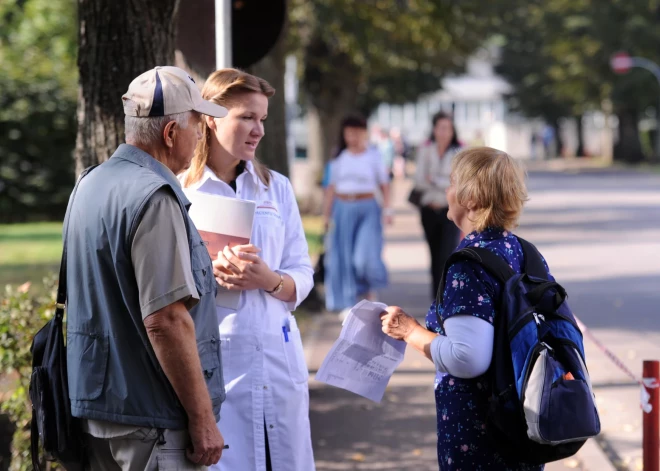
(209, 356)
(87, 363)
(202, 269)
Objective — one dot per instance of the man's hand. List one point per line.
(207, 442)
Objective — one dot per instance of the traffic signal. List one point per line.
(256, 26)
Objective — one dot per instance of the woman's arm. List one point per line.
(388, 211)
(328, 201)
(467, 348)
(422, 169)
(465, 351)
(295, 266)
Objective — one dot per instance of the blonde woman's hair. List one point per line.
(225, 87)
(491, 182)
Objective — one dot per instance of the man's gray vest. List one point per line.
(113, 372)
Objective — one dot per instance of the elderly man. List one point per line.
(144, 366)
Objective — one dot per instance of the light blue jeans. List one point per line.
(353, 261)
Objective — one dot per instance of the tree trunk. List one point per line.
(629, 147)
(118, 40)
(579, 152)
(272, 149)
(331, 93)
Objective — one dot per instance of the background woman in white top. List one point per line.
(432, 178)
(354, 264)
(265, 418)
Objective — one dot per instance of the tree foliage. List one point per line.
(556, 54)
(396, 49)
(38, 81)
(355, 55)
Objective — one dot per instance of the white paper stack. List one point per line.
(363, 358)
(222, 221)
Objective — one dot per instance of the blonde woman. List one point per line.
(485, 197)
(265, 417)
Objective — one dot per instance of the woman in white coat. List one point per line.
(265, 418)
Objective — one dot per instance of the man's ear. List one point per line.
(169, 133)
(210, 121)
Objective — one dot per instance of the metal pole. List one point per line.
(651, 420)
(223, 57)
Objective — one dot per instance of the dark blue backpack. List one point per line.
(538, 412)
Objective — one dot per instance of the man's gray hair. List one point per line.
(149, 130)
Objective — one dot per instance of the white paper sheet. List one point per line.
(222, 221)
(363, 358)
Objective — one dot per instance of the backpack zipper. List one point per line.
(531, 314)
(535, 353)
(520, 323)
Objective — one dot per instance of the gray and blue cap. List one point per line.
(164, 91)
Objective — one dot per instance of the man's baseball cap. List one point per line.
(164, 91)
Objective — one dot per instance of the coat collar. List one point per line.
(139, 157)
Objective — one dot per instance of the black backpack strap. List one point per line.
(534, 265)
(60, 303)
(491, 262)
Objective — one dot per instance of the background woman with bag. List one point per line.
(431, 179)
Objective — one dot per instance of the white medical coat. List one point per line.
(265, 373)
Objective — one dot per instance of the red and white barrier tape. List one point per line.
(644, 383)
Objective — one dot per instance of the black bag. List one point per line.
(53, 427)
(415, 197)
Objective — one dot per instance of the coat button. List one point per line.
(212, 339)
(265, 387)
(204, 271)
(208, 374)
(271, 426)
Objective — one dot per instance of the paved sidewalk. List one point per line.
(352, 433)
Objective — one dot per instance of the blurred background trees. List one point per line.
(38, 90)
(351, 56)
(355, 55)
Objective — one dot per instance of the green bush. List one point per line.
(23, 311)
(38, 92)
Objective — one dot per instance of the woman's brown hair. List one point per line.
(225, 87)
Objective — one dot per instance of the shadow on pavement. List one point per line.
(397, 434)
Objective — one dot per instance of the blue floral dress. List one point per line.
(462, 404)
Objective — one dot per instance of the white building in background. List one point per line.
(476, 100)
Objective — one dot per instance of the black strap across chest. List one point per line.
(494, 264)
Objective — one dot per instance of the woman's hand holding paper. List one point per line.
(239, 268)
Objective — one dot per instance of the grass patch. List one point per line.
(28, 252)
(313, 226)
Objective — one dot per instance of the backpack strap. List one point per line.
(491, 262)
(60, 303)
(534, 265)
